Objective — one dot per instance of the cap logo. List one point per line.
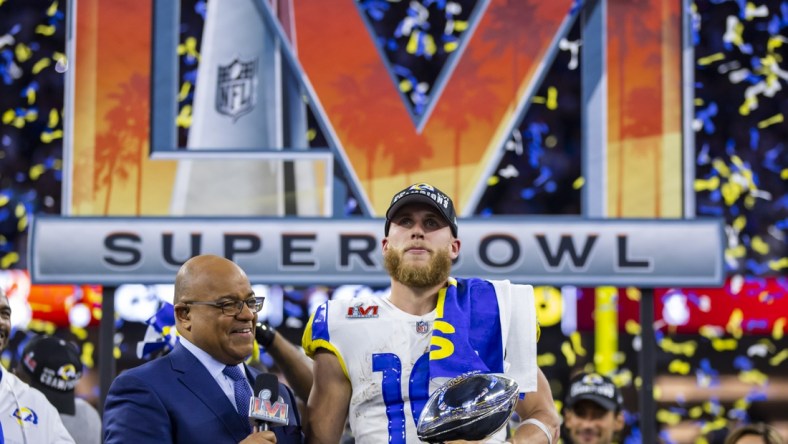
(64, 379)
(593, 384)
(29, 362)
(67, 372)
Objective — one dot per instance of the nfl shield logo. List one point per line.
(236, 87)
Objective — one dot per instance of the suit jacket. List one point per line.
(174, 399)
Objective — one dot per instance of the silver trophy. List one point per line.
(470, 407)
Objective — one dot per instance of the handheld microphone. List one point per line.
(266, 407)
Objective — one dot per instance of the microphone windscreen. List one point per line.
(267, 381)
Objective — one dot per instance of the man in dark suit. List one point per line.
(199, 392)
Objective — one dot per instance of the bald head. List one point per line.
(198, 273)
(202, 285)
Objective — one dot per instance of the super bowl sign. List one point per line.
(540, 251)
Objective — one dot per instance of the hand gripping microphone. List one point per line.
(266, 407)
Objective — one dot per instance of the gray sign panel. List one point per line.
(306, 251)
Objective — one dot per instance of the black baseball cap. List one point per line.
(54, 367)
(426, 194)
(596, 388)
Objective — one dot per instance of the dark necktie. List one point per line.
(243, 393)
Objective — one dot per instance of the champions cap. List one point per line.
(54, 367)
(596, 388)
(426, 194)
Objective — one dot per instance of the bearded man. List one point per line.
(377, 360)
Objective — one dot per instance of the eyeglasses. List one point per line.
(232, 308)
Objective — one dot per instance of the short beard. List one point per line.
(436, 272)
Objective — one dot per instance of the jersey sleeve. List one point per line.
(520, 331)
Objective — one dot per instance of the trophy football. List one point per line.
(469, 407)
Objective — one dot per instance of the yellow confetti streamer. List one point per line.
(36, 171)
(633, 294)
(717, 424)
(566, 349)
(9, 116)
(413, 43)
(667, 417)
(779, 264)
(737, 251)
(734, 323)
(695, 412)
(97, 313)
(23, 52)
(731, 192)
(578, 183)
(184, 92)
(116, 352)
(405, 85)
(778, 330)
(545, 360)
(80, 332)
(52, 10)
(632, 327)
(709, 184)
(40, 65)
(41, 326)
(680, 367)
(720, 344)
(721, 167)
(577, 344)
(184, 119)
(708, 60)
(87, 355)
(451, 46)
(46, 30)
(49, 136)
(753, 376)
(552, 98)
(460, 25)
(759, 246)
(778, 118)
(741, 404)
(30, 93)
(748, 104)
(311, 133)
(9, 259)
(493, 180)
(54, 118)
(777, 359)
(739, 223)
(687, 348)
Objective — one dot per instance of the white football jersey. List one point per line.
(385, 355)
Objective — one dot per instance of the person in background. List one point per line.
(53, 367)
(593, 409)
(26, 417)
(377, 359)
(200, 391)
(754, 434)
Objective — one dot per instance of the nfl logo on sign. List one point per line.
(235, 88)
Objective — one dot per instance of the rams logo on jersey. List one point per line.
(25, 416)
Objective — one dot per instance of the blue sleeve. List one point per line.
(134, 414)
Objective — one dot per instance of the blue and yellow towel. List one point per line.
(476, 322)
